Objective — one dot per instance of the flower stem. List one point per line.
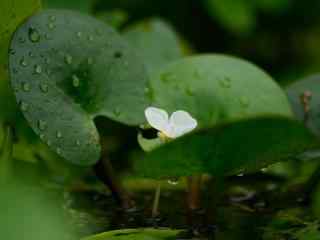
(155, 207)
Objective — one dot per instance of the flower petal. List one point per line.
(157, 118)
(181, 122)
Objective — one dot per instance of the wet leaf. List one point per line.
(71, 69)
(241, 127)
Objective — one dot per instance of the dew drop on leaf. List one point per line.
(42, 136)
(51, 26)
(42, 125)
(79, 34)
(75, 81)
(23, 62)
(68, 59)
(116, 112)
(37, 69)
(90, 38)
(34, 35)
(24, 106)
(44, 87)
(58, 150)
(52, 18)
(26, 87)
(225, 82)
(59, 134)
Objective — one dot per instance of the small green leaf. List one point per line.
(70, 69)
(244, 119)
(301, 89)
(155, 42)
(137, 234)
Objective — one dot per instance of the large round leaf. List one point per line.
(245, 120)
(296, 92)
(155, 41)
(137, 234)
(215, 89)
(66, 69)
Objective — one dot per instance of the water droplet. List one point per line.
(51, 26)
(52, 18)
(68, 59)
(58, 150)
(34, 35)
(37, 69)
(244, 101)
(75, 81)
(90, 61)
(59, 134)
(24, 106)
(225, 82)
(79, 34)
(78, 143)
(173, 181)
(42, 125)
(23, 62)
(26, 87)
(116, 112)
(42, 136)
(240, 175)
(44, 87)
(31, 54)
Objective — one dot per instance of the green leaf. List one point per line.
(296, 91)
(66, 69)
(155, 42)
(242, 146)
(238, 16)
(216, 88)
(244, 119)
(12, 13)
(137, 234)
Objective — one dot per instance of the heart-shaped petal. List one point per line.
(180, 123)
(157, 118)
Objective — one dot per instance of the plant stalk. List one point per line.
(106, 174)
(194, 193)
(155, 206)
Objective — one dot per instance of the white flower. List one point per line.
(179, 123)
